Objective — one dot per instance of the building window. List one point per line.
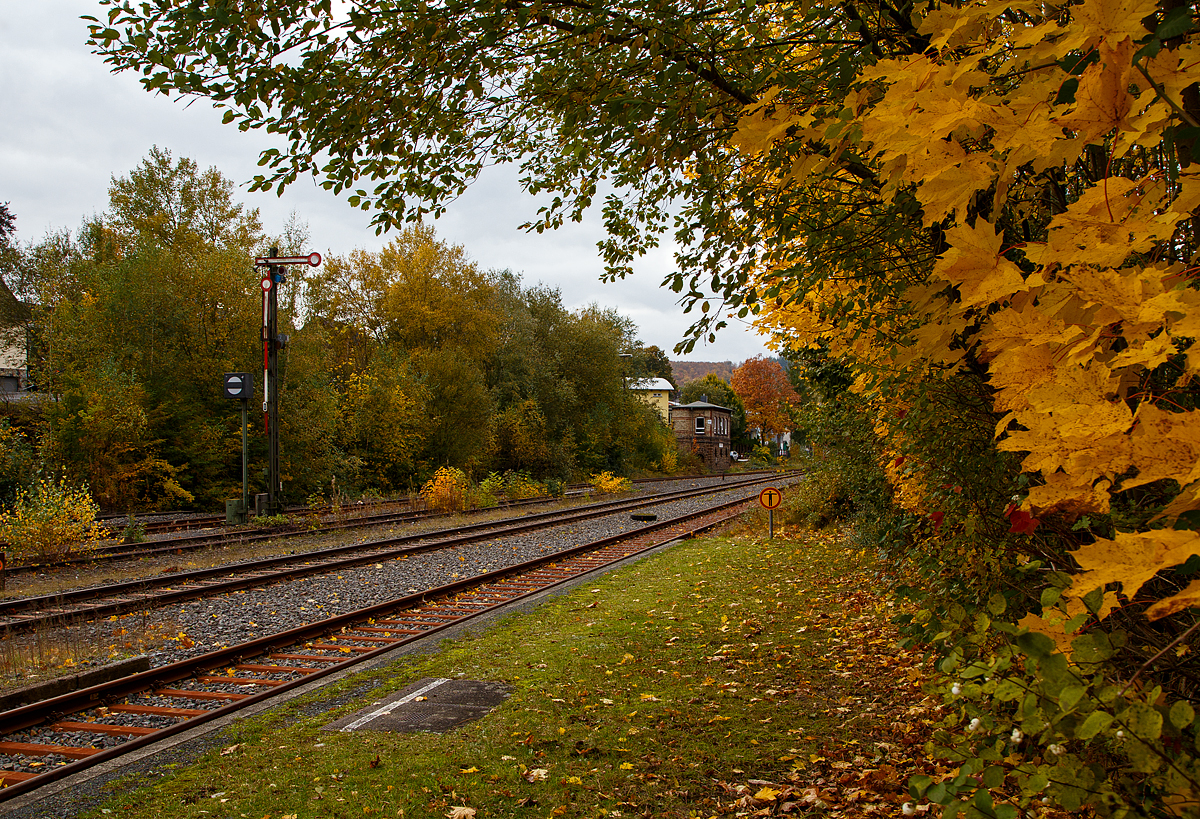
(699, 426)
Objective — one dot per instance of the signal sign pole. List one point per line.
(770, 498)
(274, 272)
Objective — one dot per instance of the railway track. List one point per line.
(412, 503)
(357, 519)
(46, 741)
(30, 613)
(240, 536)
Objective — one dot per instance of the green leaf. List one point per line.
(983, 801)
(1143, 720)
(917, 785)
(1008, 690)
(1094, 600)
(993, 776)
(1035, 644)
(1070, 696)
(1142, 757)
(1050, 596)
(1181, 714)
(1055, 671)
(1036, 783)
(1096, 722)
(1093, 647)
(997, 604)
(1177, 23)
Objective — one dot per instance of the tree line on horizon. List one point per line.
(397, 362)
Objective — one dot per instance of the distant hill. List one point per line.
(686, 372)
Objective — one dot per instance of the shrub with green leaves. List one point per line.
(1035, 719)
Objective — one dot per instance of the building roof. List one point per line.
(698, 405)
(650, 384)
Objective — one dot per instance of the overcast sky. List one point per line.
(69, 125)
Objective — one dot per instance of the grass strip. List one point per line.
(725, 676)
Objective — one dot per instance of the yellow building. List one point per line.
(656, 392)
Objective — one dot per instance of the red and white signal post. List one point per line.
(274, 273)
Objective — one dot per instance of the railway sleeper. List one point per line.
(39, 749)
(103, 728)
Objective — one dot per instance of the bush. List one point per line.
(50, 520)
(606, 483)
(669, 462)
(761, 457)
(519, 486)
(822, 498)
(447, 490)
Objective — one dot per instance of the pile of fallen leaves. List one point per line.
(873, 691)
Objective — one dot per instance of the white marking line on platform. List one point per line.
(392, 706)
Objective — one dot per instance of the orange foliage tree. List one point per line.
(768, 396)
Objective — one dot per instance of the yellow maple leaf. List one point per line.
(1165, 445)
(1069, 495)
(1186, 599)
(974, 264)
(1131, 559)
(763, 123)
(1111, 20)
(948, 186)
(1103, 101)
(1148, 354)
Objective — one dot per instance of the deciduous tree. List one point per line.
(767, 395)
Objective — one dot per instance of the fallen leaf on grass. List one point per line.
(461, 812)
(230, 749)
(536, 774)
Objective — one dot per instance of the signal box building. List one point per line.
(704, 428)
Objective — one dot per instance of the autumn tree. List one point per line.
(768, 396)
(175, 204)
(417, 293)
(650, 362)
(135, 317)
